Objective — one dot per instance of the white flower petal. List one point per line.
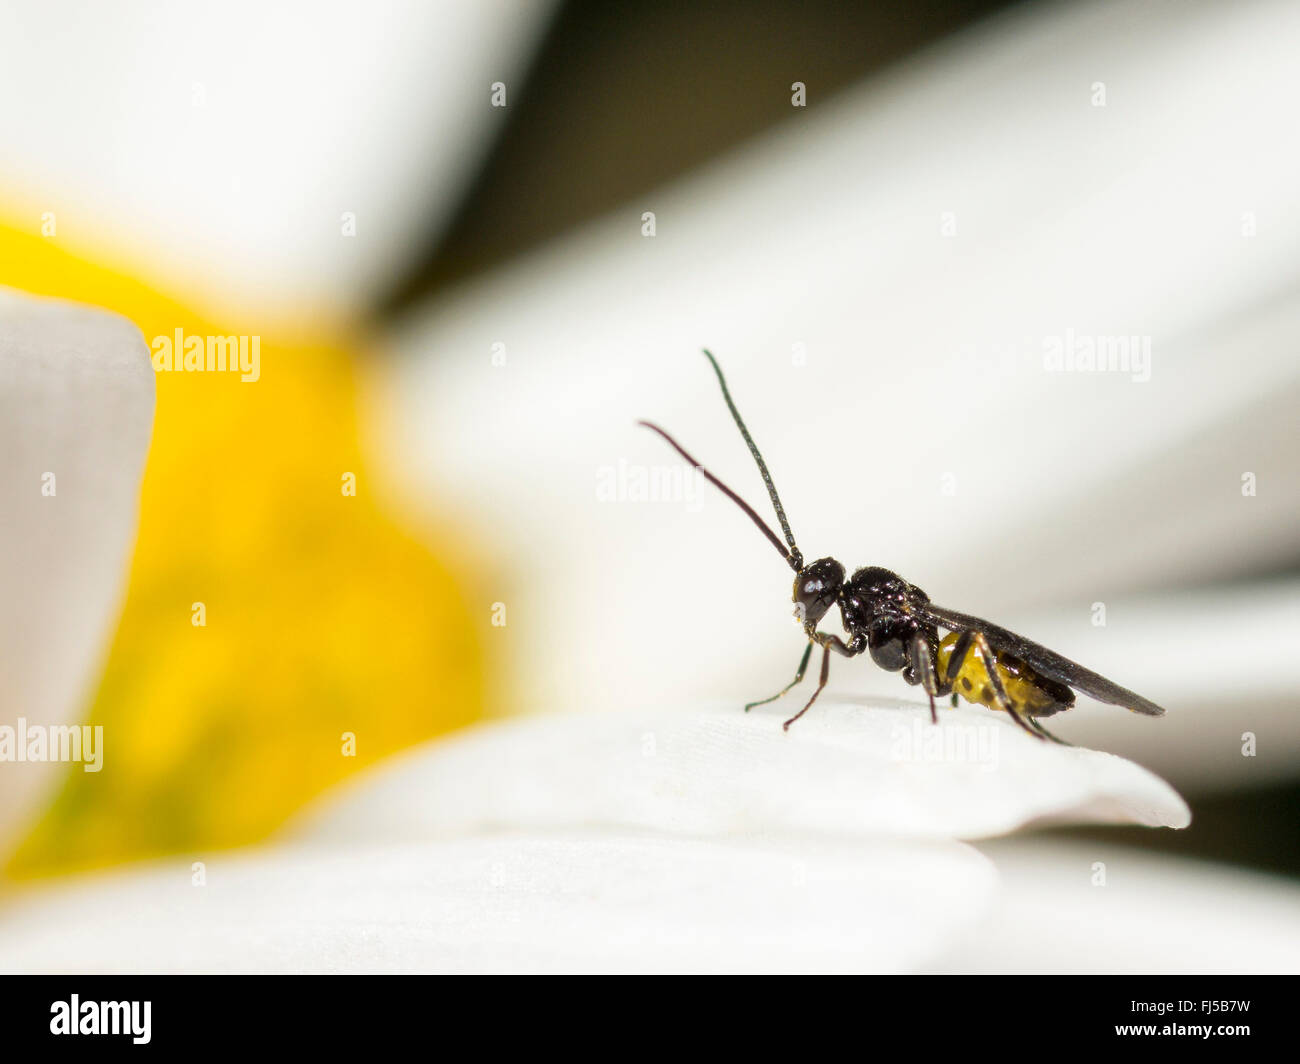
(844, 770)
(385, 106)
(1152, 914)
(76, 402)
(562, 903)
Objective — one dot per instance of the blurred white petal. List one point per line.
(76, 401)
(1152, 915)
(844, 770)
(558, 903)
(222, 145)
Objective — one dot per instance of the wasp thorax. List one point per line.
(882, 585)
(817, 588)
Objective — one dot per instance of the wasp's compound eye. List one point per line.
(816, 588)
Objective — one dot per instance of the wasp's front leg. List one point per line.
(828, 642)
(798, 676)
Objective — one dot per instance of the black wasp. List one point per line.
(898, 624)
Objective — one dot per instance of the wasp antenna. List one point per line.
(794, 561)
(762, 466)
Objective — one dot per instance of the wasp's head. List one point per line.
(816, 589)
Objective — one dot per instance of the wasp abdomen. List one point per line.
(1030, 692)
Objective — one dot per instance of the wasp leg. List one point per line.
(954, 700)
(803, 667)
(833, 642)
(828, 643)
(961, 648)
(923, 669)
(826, 670)
(1033, 723)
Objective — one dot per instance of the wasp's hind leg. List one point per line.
(803, 667)
(961, 648)
(924, 670)
(1033, 723)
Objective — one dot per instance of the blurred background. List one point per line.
(480, 240)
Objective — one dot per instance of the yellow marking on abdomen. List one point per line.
(972, 682)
